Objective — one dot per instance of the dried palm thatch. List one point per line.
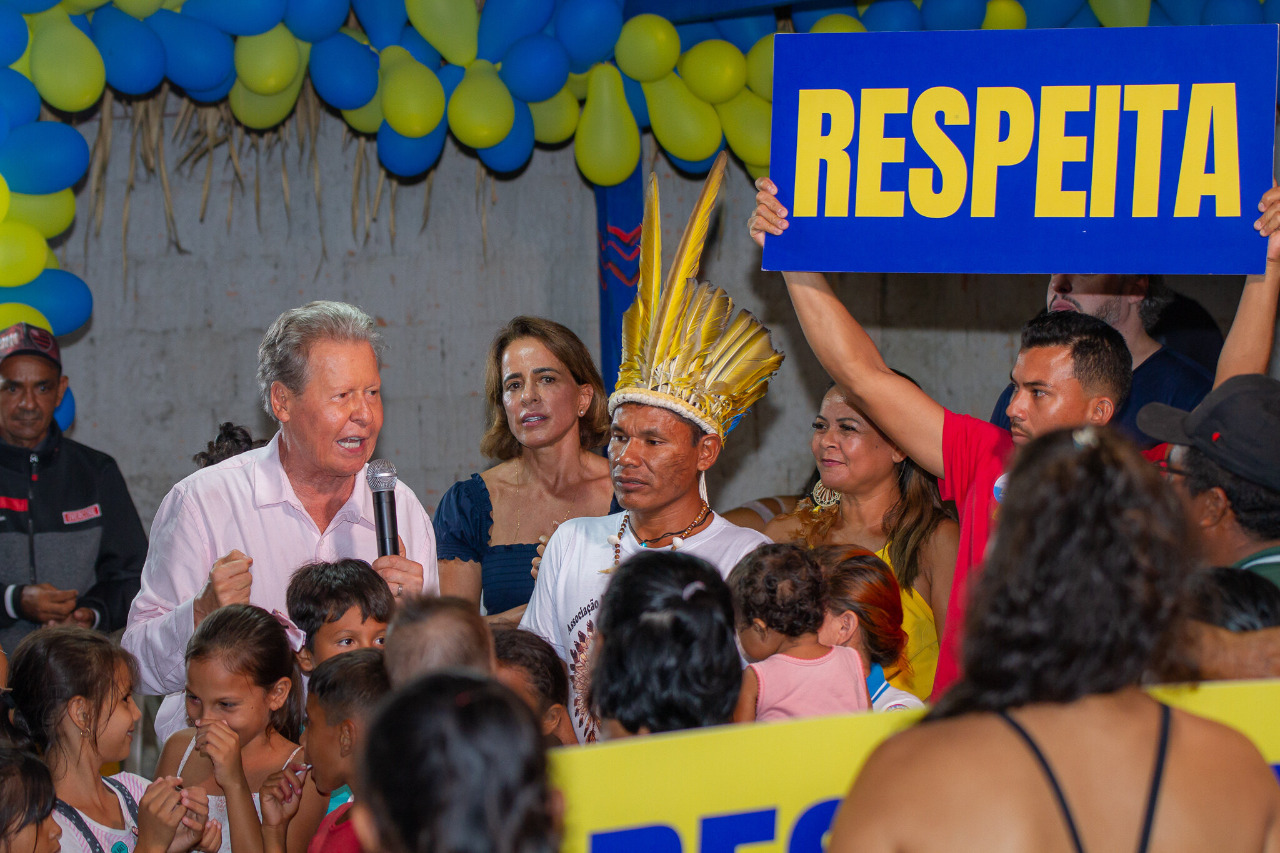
(207, 132)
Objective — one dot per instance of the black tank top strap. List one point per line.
(1153, 796)
(1049, 774)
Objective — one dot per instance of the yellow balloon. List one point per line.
(555, 119)
(837, 22)
(412, 97)
(1122, 13)
(760, 68)
(80, 7)
(51, 262)
(577, 85)
(49, 214)
(52, 15)
(481, 111)
(139, 8)
(451, 26)
(1004, 15)
(647, 48)
(714, 70)
(266, 64)
(16, 312)
(366, 119)
(746, 120)
(607, 144)
(22, 253)
(4, 198)
(757, 170)
(260, 112)
(174, 5)
(66, 67)
(682, 123)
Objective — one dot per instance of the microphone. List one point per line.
(382, 482)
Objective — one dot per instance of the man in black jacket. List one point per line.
(71, 543)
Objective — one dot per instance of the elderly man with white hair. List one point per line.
(235, 532)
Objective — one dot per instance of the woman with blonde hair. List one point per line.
(546, 415)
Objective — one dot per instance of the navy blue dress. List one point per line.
(462, 523)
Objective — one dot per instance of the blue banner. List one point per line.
(1140, 150)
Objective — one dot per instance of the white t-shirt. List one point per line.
(572, 579)
(112, 840)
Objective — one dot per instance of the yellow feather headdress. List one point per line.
(682, 348)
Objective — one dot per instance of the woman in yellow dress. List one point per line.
(869, 494)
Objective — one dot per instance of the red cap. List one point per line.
(23, 338)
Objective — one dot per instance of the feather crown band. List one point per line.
(683, 349)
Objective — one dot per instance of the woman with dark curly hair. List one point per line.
(778, 596)
(869, 494)
(1048, 742)
(546, 414)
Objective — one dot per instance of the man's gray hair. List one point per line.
(282, 355)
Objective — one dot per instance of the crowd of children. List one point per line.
(280, 707)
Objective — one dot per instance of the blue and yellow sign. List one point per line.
(776, 786)
(1139, 150)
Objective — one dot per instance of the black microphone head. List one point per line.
(381, 475)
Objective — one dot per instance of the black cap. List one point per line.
(1237, 425)
(26, 339)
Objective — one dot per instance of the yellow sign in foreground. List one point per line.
(776, 786)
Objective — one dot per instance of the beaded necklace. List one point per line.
(677, 537)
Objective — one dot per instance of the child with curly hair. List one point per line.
(778, 595)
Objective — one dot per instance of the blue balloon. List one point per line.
(62, 297)
(131, 51)
(381, 20)
(954, 14)
(1085, 18)
(743, 31)
(315, 20)
(65, 414)
(18, 98)
(407, 157)
(43, 157)
(588, 30)
(505, 22)
(450, 76)
(515, 150)
(215, 94)
(1232, 12)
(82, 24)
(13, 35)
(30, 7)
(198, 56)
(1271, 11)
(701, 167)
(4, 126)
(237, 17)
(1042, 14)
(535, 68)
(805, 18)
(691, 34)
(421, 49)
(892, 16)
(635, 99)
(1158, 18)
(1184, 12)
(344, 72)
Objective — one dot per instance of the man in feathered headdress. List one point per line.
(690, 370)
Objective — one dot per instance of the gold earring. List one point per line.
(824, 497)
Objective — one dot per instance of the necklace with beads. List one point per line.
(677, 536)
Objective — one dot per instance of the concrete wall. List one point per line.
(171, 348)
